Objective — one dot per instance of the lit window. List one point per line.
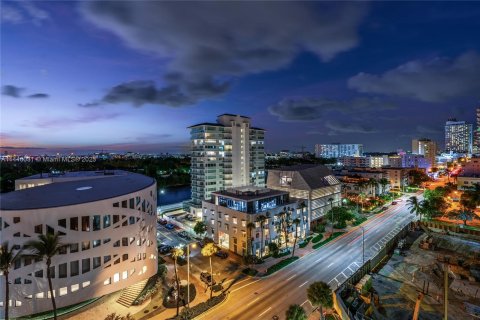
(40, 295)
(107, 282)
(63, 291)
(124, 275)
(18, 303)
(85, 284)
(74, 287)
(116, 277)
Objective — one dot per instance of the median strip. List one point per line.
(279, 265)
(324, 242)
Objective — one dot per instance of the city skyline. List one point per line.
(348, 78)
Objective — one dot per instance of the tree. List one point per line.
(340, 216)
(464, 214)
(296, 312)
(296, 222)
(200, 228)
(417, 177)
(45, 248)
(273, 249)
(208, 251)
(320, 294)
(250, 227)
(383, 183)
(8, 257)
(177, 253)
(415, 206)
(261, 219)
(373, 183)
(330, 200)
(285, 223)
(115, 316)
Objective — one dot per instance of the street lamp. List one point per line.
(194, 245)
(363, 245)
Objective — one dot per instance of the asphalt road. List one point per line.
(263, 298)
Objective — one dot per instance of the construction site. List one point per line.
(430, 273)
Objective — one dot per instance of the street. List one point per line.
(265, 297)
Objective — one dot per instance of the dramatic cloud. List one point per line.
(12, 91)
(39, 95)
(206, 44)
(434, 80)
(310, 109)
(347, 127)
(48, 123)
(23, 11)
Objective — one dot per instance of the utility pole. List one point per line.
(445, 287)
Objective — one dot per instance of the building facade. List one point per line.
(230, 212)
(226, 154)
(458, 136)
(476, 142)
(337, 150)
(106, 220)
(314, 184)
(427, 148)
(398, 177)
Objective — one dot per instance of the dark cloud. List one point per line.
(435, 80)
(347, 127)
(310, 109)
(207, 42)
(39, 96)
(12, 91)
(23, 11)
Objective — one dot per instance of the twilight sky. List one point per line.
(131, 76)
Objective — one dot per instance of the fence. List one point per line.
(339, 305)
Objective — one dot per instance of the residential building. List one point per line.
(350, 179)
(427, 148)
(337, 150)
(397, 176)
(476, 146)
(229, 212)
(314, 184)
(370, 161)
(415, 161)
(226, 154)
(107, 221)
(458, 136)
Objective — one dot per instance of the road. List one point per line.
(265, 297)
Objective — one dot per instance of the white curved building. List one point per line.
(108, 220)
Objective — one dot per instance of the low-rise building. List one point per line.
(314, 184)
(397, 176)
(470, 174)
(234, 216)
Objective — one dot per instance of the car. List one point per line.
(176, 227)
(184, 235)
(384, 208)
(163, 221)
(222, 254)
(170, 226)
(201, 243)
(394, 203)
(164, 249)
(207, 278)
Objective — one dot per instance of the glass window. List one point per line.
(85, 223)
(85, 265)
(106, 259)
(124, 242)
(106, 221)
(115, 205)
(96, 243)
(17, 281)
(106, 240)
(16, 219)
(107, 282)
(74, 287)
(125, 256)
(96, 223)
(62, 223)
(116, 218)
(132, 203)
(124, 203)
(62, 270)
(74, 268)
(74, 223)
(132, 220)
(39, 228)
(74, 247)
(116, 277)
(62, 250)
(85, 245)
(116, 244)
(96, 262)
(39, 274)
(124, 275)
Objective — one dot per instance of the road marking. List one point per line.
(261, 314)
(163, 234)
(252, 301)
(318, 260)
(343, 274)
(353, 271)
(303, 284)
(246, 285)
(292, 277)
(358, 265)
(330, 265)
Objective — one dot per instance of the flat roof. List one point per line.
(59, 194)
(76, 174)
(249, 195)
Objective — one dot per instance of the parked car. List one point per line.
(222, 254)
(170, 226)
(206, 277)
(184, 235)
(394, 203)
(384, 208)
(164, 249)
(163, 221)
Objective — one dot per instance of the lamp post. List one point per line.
(363, 244)
(188, 271)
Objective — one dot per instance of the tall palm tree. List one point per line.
(415, 206)
(373, 183)
(261, 219)
(8, 257)
(177, 253)
(295, 222)
(320, 294)
(383, 183)
(296, 312)
(45, 248)
(330, 200)
(250, 227)
(208, 251)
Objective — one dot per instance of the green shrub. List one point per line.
(282, 264)
(335, 235)
(317, 238)
(273, 248)
(200, 308)
(319, 228)
(305, 242)
(250, 272)
(340, 225)
(359, 220)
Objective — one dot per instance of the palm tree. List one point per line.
(296, 312)
(383, 182)
(331, 209)
(250, 227)
(415, 206)
(373, 183)
(320, 294)
(7, 259)
(208, 251)
(295, 222)
(46, 247)
(177, 253)
(261, 219)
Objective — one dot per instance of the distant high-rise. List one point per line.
(337, 150)
(476, 145)
(458, 136)
(425, 147)
(228, 153)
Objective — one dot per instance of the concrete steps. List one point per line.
(131, 293)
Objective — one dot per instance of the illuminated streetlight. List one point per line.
(194, 245)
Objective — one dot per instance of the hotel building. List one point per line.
(107, 221)
(458, 137)
(337, 150)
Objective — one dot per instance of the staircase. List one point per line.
(131, 293)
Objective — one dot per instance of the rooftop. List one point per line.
(76, 174)
(309, 176)
(249, 193)
(66, 193)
